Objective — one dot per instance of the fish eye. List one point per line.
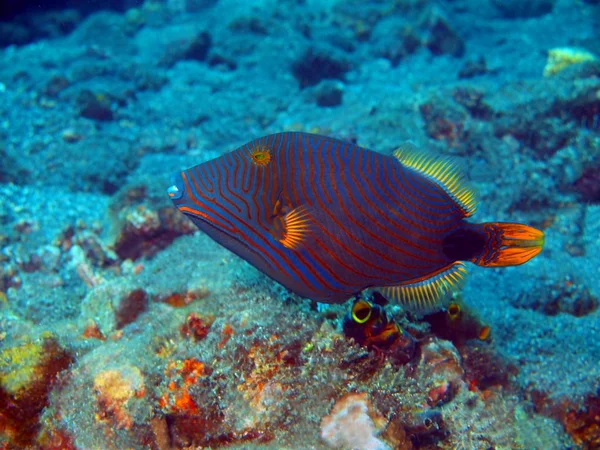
(454, 311)
(484, 333)
(361, 311)
(177, 189)
(428, 422)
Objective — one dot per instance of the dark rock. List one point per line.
(130, 307)
(217, 59)
(544, 135)
(393, 39)
(145, 231)
(329, 93)
(444, 120)
(198, 5)
(11, 169)
(485, 365)
(14, 34)
(56, 85)
(472, 100)
(53, 24)
(519, 9)
(317, 65)
(94, 106)
(588, 185)
(473, 68)
(105, 30)
(252, 25)
(556, 297)
(443, 39)
(199, 47)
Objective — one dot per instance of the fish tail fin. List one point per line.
(494, 244)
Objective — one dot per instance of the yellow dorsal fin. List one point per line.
(430, 294)
(441, 170)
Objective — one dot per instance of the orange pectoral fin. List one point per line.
(510, 244)
(293, 228)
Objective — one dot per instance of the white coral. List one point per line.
(352, 425)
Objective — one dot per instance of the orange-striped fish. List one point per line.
(328, 219)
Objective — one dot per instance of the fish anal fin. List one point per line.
(441, 170)
(292, 229)
(430, 294)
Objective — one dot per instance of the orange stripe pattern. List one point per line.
(373, 221)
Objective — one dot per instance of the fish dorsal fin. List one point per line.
(428, 295)
(441, 170)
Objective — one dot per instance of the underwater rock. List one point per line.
(588, 185)
(518, 9)
(473, 68)
(353, 423)
(28, 370)
(130, 307)
(111, 306)
(14, 34)
(199, 47)
(317, 64)
(329, 93)
(190, 6)
(394, 40)
(553, 297)
(485, 367)
(442, 39)
(116, 390)
(440, 368)
(473, 100)
(94, 106)
(444, 120)
(104, 31)
(195, 47)
(144, 231)
(56, 85)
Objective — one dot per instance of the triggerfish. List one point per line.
(328, 219)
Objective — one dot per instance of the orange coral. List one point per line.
(227, 333)
(584, 425)
(93, 332)
(114, 390)
(182, 376)
(197, 326)
(260, 388)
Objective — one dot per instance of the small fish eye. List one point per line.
(484, 333)
(361, 311)
(454, 310)
(428, 422)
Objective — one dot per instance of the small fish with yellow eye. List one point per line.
(458, 324)
(369, 325)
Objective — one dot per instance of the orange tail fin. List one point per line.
(508, 244)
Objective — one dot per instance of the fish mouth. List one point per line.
(177, 189)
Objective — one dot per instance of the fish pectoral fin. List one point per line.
(292, 229)
(428, 295)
